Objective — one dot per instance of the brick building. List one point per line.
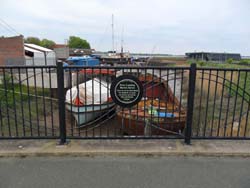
(12, 51)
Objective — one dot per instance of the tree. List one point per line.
(77, 42)
(47, 43)
(33, 40)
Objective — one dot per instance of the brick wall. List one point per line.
(12, 51)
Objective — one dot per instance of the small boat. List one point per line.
(90, 99)
(158, 113)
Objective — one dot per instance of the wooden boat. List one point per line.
(158, 113)
(90, 99)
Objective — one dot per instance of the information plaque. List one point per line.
(126, 90)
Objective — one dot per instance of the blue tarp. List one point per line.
(84, 61)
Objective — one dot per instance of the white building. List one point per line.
(37, 55)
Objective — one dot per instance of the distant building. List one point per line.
(12, 51)
(211, 56)
(38, 55)
(62, 51)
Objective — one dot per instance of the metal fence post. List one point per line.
(191, 92)
(61, 102)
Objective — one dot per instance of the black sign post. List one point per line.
(126, 90)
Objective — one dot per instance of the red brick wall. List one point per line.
(11, 50)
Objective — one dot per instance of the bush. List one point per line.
(245, 61)
(230, 60)
(201, 63)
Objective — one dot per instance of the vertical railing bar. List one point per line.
(200, 103)
(85, 98)
(129, 121)
(29, 98)
(152, 102)
(78, 104)
(37, 116)
(242, 101)
(173, 109)
(44, 109)
(61, 102)
(137, 111)
(108, 81)
(145, 99)
(248, 108)
(93, 96)
(246, 124)
(14, 100)
(235, 104)
(174, 105)
(21, 93)
(191, 94)
(181, 94)
(1, 119)
(215, 96)
(51, 103)
(71, 103)
(228, 103)
(208, 93)
(109, 96)
(158, 112)
(221, 102)
(7, 101)
(100, 88)
(167, 97)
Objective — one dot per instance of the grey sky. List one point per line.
(159, 26)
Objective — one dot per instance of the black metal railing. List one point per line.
(74, 102)
(222, 101)
(28, 106)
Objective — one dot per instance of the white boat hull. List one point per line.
(85, 114)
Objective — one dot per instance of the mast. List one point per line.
(113, 42)
(122, 43)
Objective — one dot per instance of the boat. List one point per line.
(158, 113)
(113, 58)
(90, 99)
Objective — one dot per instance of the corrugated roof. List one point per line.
(31, 50)
(38, 48)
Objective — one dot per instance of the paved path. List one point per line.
(124, 172)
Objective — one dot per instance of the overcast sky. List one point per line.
(158, 26)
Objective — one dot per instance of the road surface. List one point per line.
(124, 172)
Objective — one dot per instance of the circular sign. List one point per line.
(126, 90)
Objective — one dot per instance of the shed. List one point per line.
(38, 55)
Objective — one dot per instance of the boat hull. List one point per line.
(136, 127)
(86, 114)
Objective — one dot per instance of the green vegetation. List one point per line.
(220, 65)
(47, 43)
(245, 62)
(230, 61)
(244, 82)
(44, 42)
(22, 107)
(32, 40)
(77, 42)
(74, 42)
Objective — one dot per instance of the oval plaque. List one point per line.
(126, 90)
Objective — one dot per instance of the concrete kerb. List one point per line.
(140, 148)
